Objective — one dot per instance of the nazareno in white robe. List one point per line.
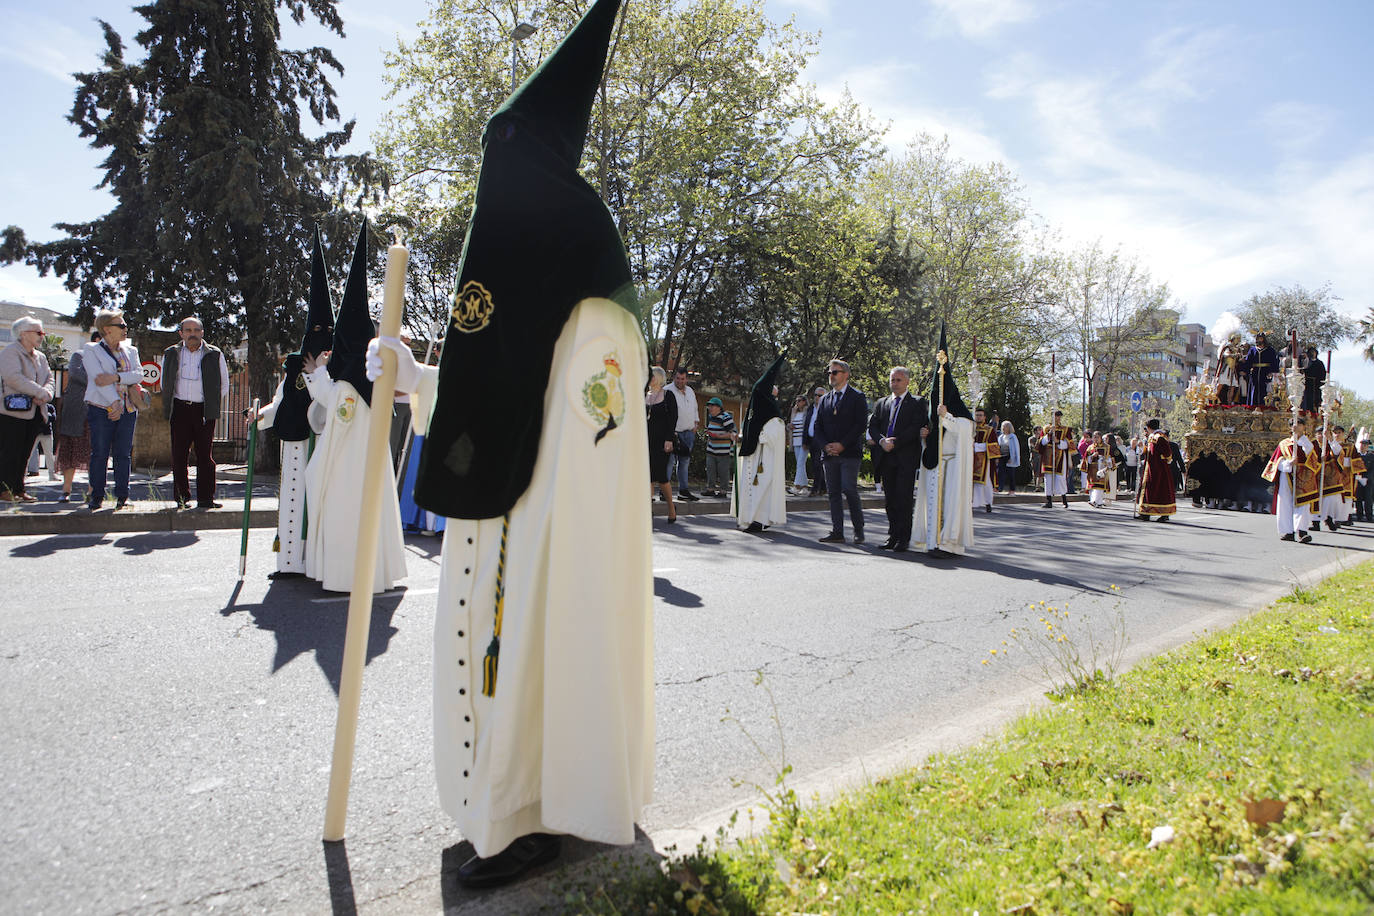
(760, 478)
(566, 743)
(955, 474)
(333, 492)
(291, 494)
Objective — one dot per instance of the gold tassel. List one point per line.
(489, 663)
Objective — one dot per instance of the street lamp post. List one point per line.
(518, 34)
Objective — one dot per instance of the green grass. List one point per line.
(1055, 814)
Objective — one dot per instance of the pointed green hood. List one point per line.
(762, 408)
(353, 328)
(540, 241)
(290, 422)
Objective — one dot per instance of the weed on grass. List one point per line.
(1233, 775)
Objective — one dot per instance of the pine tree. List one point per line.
(217, 188)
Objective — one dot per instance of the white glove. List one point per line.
(1286, 465)
(407, 369)
(1361, 480)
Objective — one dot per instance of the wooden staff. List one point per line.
(376, 468)
(248, 488)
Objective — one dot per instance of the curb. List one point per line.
(106, 521)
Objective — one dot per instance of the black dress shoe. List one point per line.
(211, 505)
(280, 574)
(1066, 501)
(1316, 526)
(1143, 518)
(1289, 537)
(1331, 525)
(1049, 503)
(833, 538)
(121, 503)
(689, 496)
(887, 545)
(754, 528)
(858, 537)
(523, 855)
(900, 547)
(1305, 538)
(989, 507)
(939, 554)
(1162, 518)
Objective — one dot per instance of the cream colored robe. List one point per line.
(291, 493)
(760, 478)
(566, 744)
(333, 492)
(955, 474)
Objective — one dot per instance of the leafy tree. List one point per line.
(1312, 312)
(1365, 334)
(1114, 316)
(980, 261)
(703, 142)
(217, 189)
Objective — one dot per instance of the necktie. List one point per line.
(892, 424)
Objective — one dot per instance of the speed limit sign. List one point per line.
(152, 375)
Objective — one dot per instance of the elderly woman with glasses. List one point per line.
(112, 369)
(26, 388)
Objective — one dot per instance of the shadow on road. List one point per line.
(340, 877)
(51, 545)
(140, 545)
(671, 594)
(304, 625)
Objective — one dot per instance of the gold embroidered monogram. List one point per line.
(472, 308)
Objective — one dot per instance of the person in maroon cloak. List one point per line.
(1156, 495)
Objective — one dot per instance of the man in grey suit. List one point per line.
(841, 421)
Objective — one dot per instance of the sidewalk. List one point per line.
(152, 506)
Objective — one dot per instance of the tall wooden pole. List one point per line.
(377, 474)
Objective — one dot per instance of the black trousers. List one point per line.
(16, 441)
(899, 484)
(189, 427)
(817, 470)
(1364, 500)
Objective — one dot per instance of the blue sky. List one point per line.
(1228, 145)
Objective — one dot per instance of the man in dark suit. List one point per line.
(813, 443)
(895, 431)
(841, 421)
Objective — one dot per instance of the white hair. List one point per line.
(25, 323)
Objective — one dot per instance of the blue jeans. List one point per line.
(842, 483)
(110, 437)
(682, 461)
(799, 478)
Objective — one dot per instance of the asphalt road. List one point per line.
(167, 731)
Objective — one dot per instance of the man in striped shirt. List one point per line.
(720, 436)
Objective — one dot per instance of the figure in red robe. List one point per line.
(1156, 495)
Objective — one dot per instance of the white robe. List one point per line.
(1291, 519)
(982, 489)
(955, 474)
(1057, 484)
(759, 478)
(291, 494)
(333, 488)
(566, 744)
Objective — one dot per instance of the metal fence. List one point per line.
(232, 427)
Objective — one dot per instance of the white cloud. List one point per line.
(49, 46)
(879, 87)
(979, 18)
(22, 284)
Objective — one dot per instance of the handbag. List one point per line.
(17, 402)
(139, 399)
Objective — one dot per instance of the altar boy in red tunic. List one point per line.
(1156, 477)
(985, 451)
(1294, 467)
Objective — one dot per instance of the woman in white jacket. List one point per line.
(113, 373)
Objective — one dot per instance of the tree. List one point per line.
(701, 134)
(217, 189)
(980, 261)
(1312, 312)
(1365, 334)
(1115, 316)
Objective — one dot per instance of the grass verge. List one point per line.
(1253, 748)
